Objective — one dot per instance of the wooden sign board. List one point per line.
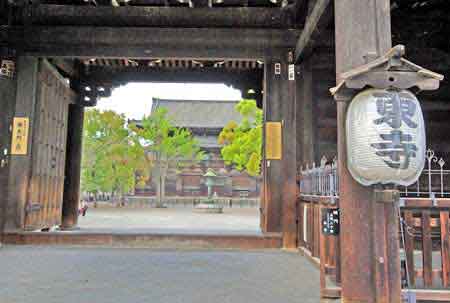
(19, 144)
(273, 141)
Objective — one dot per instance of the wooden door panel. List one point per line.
(48, 149)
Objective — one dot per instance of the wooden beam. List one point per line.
(301, 9)
(126, 74)
(140, 42)
(65, 67)
(202, 16)
(4, 9)
(430, 295)
(305, 43)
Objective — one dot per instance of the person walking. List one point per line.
(82, 208)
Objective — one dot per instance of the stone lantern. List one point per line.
(209, 205)
(210, 181)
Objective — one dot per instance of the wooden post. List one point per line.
(20, 165)
(369, 230)
(71, 195)
(7, 97)
(280, 185)
(272, 169)
(289, 160)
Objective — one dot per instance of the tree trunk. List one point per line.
(163, 189)
(162, 184)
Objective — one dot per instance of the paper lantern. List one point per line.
(385, 137)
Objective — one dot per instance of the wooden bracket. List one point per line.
(386, 196)
(388, 71)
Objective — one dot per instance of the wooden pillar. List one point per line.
(289, 160)
(280, 187)
(71, 195)
(20, 165)
(7, 97)
(369, 230)
(272, 169)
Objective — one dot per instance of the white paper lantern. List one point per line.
(385, 137)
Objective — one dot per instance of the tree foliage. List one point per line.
(167, 145)
(110, 159)
(243, 142)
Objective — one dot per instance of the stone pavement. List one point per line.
(112, 275)
(234, 221)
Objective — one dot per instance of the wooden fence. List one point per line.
(424, 230)
(426, 243)
(425, 254)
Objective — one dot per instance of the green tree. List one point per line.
(243, 142)
(167, 146)
(110, 157)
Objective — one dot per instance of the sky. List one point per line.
(134, 100)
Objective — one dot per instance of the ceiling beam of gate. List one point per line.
(108, 74)
(139, 42)
(316, 22)
(246, 17)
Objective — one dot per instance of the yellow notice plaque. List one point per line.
(273, 141)
(19, 144)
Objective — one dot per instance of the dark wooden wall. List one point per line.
(324, 105)
(316, 109)
(424, 30)
(321, 129)
(435, 107)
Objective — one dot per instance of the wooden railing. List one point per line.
(323, 249)
(426, 243)
(424, 230)
(425, 254)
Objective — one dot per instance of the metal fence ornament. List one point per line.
(385, 137)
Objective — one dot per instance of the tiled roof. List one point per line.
(199, 113)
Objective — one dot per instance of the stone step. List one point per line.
(155, 241)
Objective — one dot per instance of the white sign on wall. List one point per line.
(7, 68)
(385, 137)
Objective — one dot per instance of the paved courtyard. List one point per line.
(112, 275)
(243, 221)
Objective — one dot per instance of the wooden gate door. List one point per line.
(48, 153)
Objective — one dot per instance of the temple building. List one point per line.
(205, 119)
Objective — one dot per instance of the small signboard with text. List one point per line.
(19, 144)
(273, 141)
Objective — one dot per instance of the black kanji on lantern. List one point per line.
(397, 148)
(394, 109)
